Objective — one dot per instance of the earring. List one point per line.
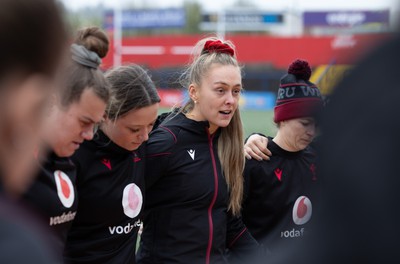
(195, 101)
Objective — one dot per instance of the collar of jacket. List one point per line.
(196, 127)
(107, 145)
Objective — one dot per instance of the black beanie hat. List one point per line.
(297, 96)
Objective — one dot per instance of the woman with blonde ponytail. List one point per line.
(195, 160)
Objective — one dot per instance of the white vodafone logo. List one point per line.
(132, 200)
(65, 189)
(302, 210)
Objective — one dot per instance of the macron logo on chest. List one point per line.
(107, 163)
(278, 173)
(191, 153)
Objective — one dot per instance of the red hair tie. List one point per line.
(217, 46)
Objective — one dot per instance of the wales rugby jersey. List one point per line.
(53, 196)
(110, 183)
(280, 196)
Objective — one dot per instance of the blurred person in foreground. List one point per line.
(360, 166)
(33, 42)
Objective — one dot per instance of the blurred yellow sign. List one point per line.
(326, 77)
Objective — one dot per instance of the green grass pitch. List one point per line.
(253, 121)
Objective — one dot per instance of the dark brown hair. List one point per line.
(94, 39)
(79, 77)
(132, 89)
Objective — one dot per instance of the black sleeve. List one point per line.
(162, 117)
(247, 182)
(252, 174)
(159, 149)
(242, 247)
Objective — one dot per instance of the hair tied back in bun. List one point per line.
(84, 56)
